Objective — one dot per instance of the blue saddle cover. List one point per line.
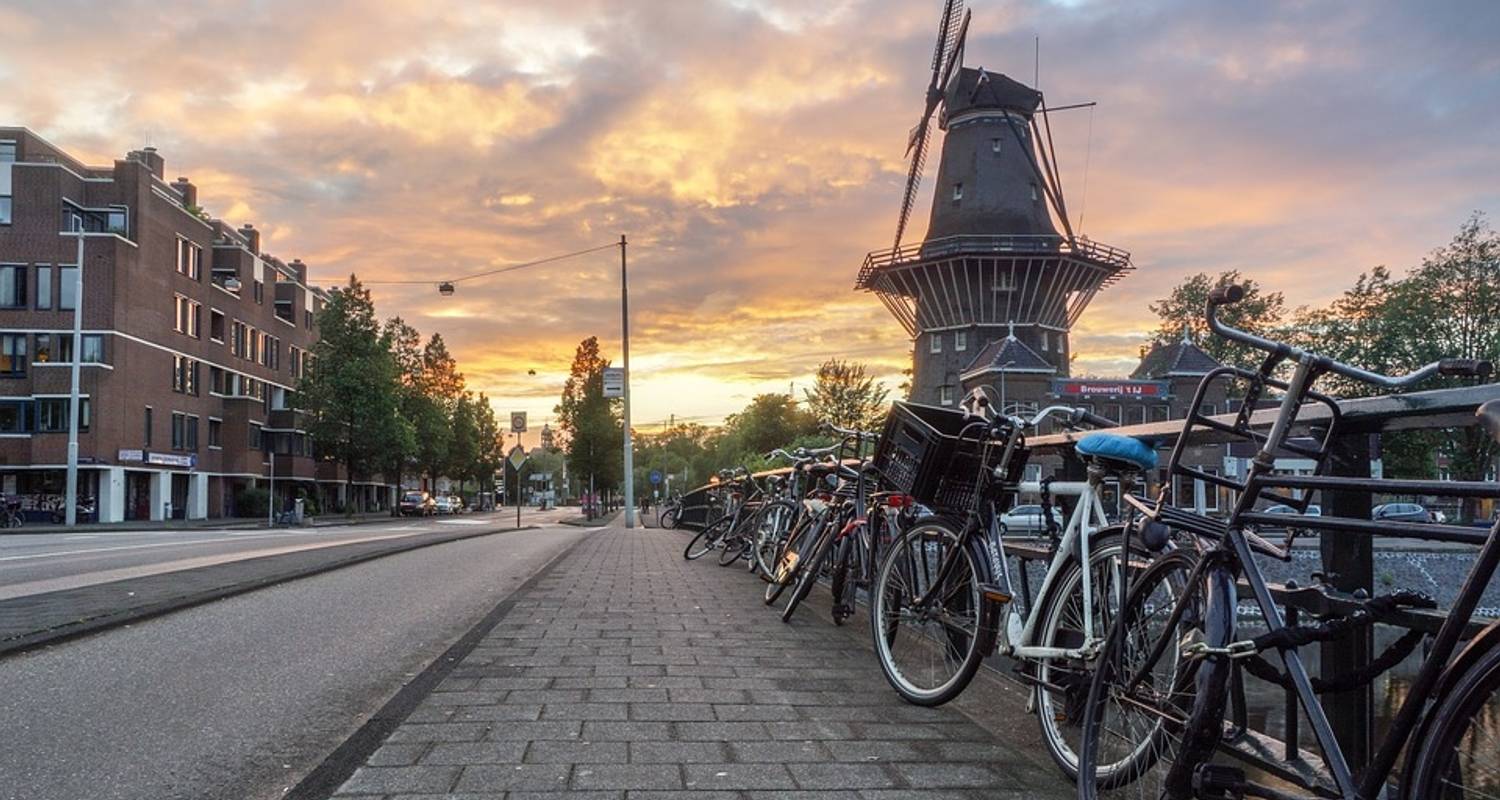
(1115, 447)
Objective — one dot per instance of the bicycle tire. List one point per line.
(1149, 767)
(668, 519)
(1059, 620)
(772, 527)
(1438, 766)
(808, 571)
(707, 539)
(839, 583)
(788, 558)
(732, 546)
(888, 594)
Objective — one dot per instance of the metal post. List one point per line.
(625, 357)
(518, 486)
(271, 493)
(1349, 563)
(71, 500)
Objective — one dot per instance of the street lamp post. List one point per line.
(71, 500)
(625, 356)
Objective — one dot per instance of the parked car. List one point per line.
(1312, 510)
(444, 504)
(1028, 519)
(417, 504)
(1401, 512)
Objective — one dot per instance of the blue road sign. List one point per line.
(656, 476)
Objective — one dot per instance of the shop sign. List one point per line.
(131, 455)
(188, 460)
(1092, 388)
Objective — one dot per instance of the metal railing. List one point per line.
(1019, 244)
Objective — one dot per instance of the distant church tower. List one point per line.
(993, 276)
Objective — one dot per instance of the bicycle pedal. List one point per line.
(1218, 782)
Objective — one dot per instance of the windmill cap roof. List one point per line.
(978, 88)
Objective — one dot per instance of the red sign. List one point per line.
(1088, 388)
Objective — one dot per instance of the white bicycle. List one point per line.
(952, 588)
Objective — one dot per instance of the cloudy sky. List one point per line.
(752, 150)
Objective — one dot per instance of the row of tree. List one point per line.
(380, 401)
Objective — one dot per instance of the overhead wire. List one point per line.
(498, 270)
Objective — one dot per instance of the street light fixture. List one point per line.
(445, 288)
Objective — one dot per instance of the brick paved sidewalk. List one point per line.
(627, 672)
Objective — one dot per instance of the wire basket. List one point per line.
(921, 454)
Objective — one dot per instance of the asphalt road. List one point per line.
(241, 697)
(35, 563)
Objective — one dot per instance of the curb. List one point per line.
(115, 619)
(338, 766)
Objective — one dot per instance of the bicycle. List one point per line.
(734, 487)
(945, 596)
(13, 517)
(1171, 665)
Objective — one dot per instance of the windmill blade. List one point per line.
(947, 28)
(913, 177)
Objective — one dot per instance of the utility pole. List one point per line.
(625, 354)
(71, 501)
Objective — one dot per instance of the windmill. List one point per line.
(1000, 278)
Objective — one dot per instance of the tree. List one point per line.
(489, 441)
(1259, 312)
(591, 421)
(405, 345)
(846, 396)
(432, 415)
(768, 422)
(463, 453)
(349, 392)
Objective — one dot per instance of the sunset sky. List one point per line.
(752, 150)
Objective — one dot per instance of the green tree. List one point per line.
(1259, 312)
(432, 415)
(590, 421)
(405, 345)
(463, 454)
(489, 442)
(768, 422)
(349, 392)
(847, 396)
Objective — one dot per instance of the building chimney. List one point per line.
(252, 237)
(188, 191)
(152, 160)
(299, 269)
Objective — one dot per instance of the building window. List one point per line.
(52, 414)
(13, 286)
(1046, 343)
(93, 348)
(1208, 409)
(961, 341)
(184, 375)
(13, 354)
(945, 395)
(215, 433)
(7, 152)
(13, 417)
(5, 209)
(260, 292)
(1005, 281)
(189, 259)
(1034, 196)
(958, 192)
(184, 431)
(43, 352)
(44, 288)
(1161, 413)
(935, 343)
(216, 325)
(67, 289)
(189, 316)
(254, 352)
(148, 428)
(255, 437)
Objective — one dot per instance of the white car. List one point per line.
(1028, 519)
(444, 504)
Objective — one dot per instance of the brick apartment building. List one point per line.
(193, 341)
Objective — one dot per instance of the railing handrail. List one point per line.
(1435, 408)
(1017, 243)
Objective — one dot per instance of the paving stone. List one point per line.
(584, 711)
(386, 780)
(397, 755)
(596, 731)
(738, 776)
(464, 753)
(630, 777)
(778, 752)
(508, 777)
(580, 752)
(676, 752)
(843, 776)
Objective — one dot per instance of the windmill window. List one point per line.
(1033, 193)
(961, 341)
(958, 192)
(1045, 347)
(935, 343)
(995, 145)
(1005, 282)
(945, 395)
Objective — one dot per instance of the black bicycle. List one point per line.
(1154, 722)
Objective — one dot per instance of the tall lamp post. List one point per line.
(71, 499)
(625, 356)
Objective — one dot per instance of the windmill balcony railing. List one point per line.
(1046, 244)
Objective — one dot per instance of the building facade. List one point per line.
(193, 341)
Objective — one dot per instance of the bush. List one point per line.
(251, 502)
(310, 507)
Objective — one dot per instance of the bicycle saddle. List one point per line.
(1130, 453)
(1489, 416)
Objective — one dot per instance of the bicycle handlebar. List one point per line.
(1234, 293)
(850, 433)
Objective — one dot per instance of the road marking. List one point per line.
(461, 522)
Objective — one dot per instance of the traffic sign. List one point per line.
(614, 382)
(517, 457)
(518, 422)
(655, 476)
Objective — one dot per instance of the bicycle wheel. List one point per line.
(732, 547)
(772, 524)
(839, 584)
(928, 654)
(708, 538)
(793, 552)
(1460, 758)
(668, 519)
(1062, 685)
(1135, 740)
(810, 568)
